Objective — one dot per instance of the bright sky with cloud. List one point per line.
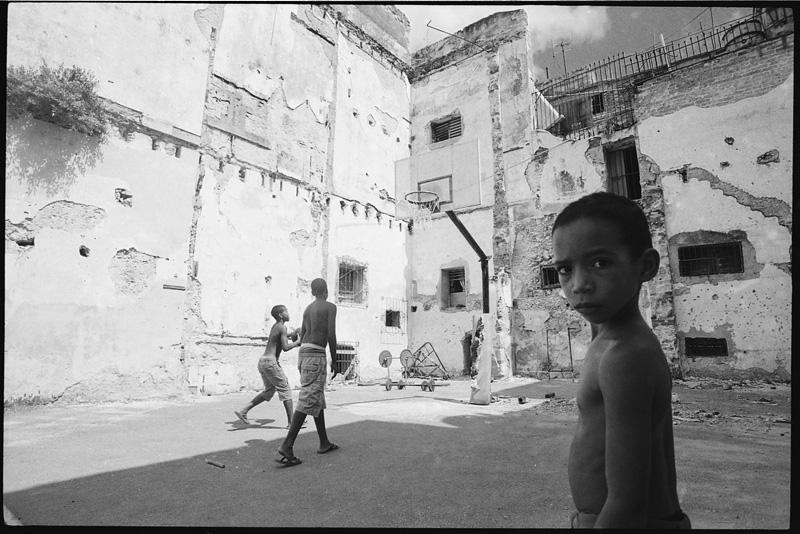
(593, 32)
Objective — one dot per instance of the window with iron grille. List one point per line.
(706, 346)
(446, 129)
(549, 276)
(623, 172)
(351, 283)
(704, 260)
(347, 358)
(454, 281)
(598, 105)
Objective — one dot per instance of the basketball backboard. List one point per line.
(452, 172)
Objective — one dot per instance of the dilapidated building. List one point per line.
(253, 148)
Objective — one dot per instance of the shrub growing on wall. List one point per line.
(64, 96)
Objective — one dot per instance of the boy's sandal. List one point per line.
(288, 462)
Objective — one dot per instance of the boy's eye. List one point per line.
(601, 263)
(563, 270)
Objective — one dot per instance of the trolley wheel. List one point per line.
(388, 384)
(401, 384)
(424, 385)
(431, 385)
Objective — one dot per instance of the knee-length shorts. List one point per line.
(313, 375)
(274, 379)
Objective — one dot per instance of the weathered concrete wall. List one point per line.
(293, 181)
(488, 87)
(88, 316)
(152, 58)
(726, 168)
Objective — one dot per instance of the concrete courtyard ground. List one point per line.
(408, 459)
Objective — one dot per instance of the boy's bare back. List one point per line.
(319, 324)
(621, 463)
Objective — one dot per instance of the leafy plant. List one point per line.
(64, 96)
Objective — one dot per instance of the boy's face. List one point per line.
(597, 271)
(284, 314)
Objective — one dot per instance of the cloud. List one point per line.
(547, 23)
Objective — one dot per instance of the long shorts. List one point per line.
(587, 520)
(312, 364)
(274, 379)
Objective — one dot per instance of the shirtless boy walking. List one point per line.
(622, 459)
(317, 331)
(270, 368)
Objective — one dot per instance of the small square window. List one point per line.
(351, 283)
(446, 129)
(455, 294)
(623, 172)
(549, 276)
(704, 260)
(697, 347)
(392, 318)
(347, 359)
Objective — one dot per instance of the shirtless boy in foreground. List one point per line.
(317, 331)
(622, 458)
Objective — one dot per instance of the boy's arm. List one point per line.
(285, 343)
(627, 387)
(332, 338)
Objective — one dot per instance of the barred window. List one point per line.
(455, 294)
(347, 359)
(549, 277)
(704, 260)
(706, 346)
(351, 283)
(623, 172)
(598, 105)
(446, 129)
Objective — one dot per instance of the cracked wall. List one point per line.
(82, 323)
(283, 149)
(725, 164)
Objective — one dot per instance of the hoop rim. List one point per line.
(416, 198)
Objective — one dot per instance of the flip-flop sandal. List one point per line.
(243, 418)
(288, 462)
(332, 448)
(305, 424)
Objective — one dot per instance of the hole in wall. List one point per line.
(25, 242)
(84, 251)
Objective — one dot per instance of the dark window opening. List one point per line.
(455, 282)
(351, 283)
(706, 346)
(549, 275)
(347, 359)
(598, 105)
(446, 129)
(393, 318)
(623, 172)
(704, 260)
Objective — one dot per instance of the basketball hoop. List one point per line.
(422, 205)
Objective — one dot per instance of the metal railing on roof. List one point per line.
(566, 108)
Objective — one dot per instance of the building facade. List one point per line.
(252, 148)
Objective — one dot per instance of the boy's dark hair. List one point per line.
(622, 212)
(276, 311)
(318, 286)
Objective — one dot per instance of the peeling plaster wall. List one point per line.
(489, 89)
(718, 186)
(97, 325)
(372, 108)
(358, 235)
(127, 47)
(443, 247)
(283, 150)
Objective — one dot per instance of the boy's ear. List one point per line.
(651, 260)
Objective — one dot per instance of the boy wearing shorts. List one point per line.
(317, 331)
(270, 368)
(622, 459)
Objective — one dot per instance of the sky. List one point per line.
(593, 32)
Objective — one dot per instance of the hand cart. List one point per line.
(406, 358)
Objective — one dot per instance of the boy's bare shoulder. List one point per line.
(631, 357)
